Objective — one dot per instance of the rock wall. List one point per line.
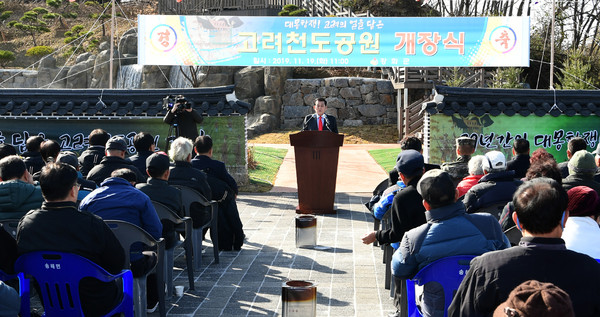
(354, 101)
(15, 78)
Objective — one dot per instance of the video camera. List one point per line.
(171, 100)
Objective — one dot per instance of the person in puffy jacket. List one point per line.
(18, 194)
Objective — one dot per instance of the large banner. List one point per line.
(499, 132)
(228, 134)
(331, 42)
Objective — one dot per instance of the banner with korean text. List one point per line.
(497, 133)
(333, 41)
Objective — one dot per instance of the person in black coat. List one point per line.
(32, 157)
(144, 146)
(116, 147)
(158, 189)
(186, 119)
(520, 162)
(319, 121)
(95, 152)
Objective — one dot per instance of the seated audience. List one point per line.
(158, 189)
(7, 150)
(539, 168)
(49, 150)
(541, 255)
(231, 233)
(582, 168)
(475, 174)
(465, 147)
(581, 231)
(597, 160)
(185, 175)
(118, 199)
(520, 162)
(95, 152)
(18, 194)
(449, 231)
(496, 186)
(144, 145)
(60, 226)
(32, 157)
(540, 155)
(116, 148)
(575, 144)
(532, 298)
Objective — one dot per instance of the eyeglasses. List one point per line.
(77, 185)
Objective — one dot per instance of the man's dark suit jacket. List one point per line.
(215, 169)
(311, 123)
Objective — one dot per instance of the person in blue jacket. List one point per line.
(118, 199)
(449, 231)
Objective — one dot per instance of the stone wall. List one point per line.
(353, 101)
(17, 78)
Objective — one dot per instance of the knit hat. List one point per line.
(116, 143)
(582, 201)
(409, 162)
(535, 299)
(494, 161)
(582, 162)
(437, 188)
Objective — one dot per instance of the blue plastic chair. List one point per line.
(449, 272)
(58, 275)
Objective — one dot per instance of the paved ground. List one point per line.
(348, 274)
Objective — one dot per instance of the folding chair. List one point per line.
(59, 274)
(128, 234)
(165, 213)
(189, 196)
(449, 272)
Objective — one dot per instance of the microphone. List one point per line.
(326, 123)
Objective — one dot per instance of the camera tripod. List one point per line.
(173, 132)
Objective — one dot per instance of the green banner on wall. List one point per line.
(499, 132)
(228, 133)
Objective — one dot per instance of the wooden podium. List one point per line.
(316, 154)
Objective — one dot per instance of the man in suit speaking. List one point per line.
(319, 121)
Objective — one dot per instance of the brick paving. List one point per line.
(349, 275)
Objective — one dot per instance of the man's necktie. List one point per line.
(320, 123)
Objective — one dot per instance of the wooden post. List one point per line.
(400, 114)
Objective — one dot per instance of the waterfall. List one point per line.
(177, 79)
(129, 77)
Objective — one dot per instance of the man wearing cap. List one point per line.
(407, 209)
(116, 148)
(575, 144)
(459, 169)
(582, 167)
(496, 187)
(158, 189)
(449, 231)
(541, 255)
(520, 161)
(533, 298)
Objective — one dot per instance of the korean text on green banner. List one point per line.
(333, 41)
(499, 132)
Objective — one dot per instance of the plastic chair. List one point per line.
(128, 234)
(10, 225)
(58, 275)
(189, 196)
(493, 209)
(449, 272)
(514, 235)
(165, 213)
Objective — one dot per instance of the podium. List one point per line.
(316, 154)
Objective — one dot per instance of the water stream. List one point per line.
(130, 77)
